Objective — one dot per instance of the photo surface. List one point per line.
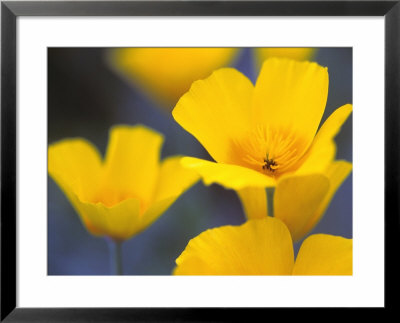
(200, 161)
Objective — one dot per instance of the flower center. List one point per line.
(270, 151)
(270, 164)
(111, 197)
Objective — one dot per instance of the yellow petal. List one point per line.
(258, 247)
(254, 202)
(296, 53)
(167, 73)
(297, 199)
(337, 172)
(75, 165)
(216, 111)
(290, 96)
(322, 254)
(131, 164)
(156, 209)
(323, 149)
(230, 176)
(174, 179)
(332, 125)
(119, 222)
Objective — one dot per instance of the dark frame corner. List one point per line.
(10, 10)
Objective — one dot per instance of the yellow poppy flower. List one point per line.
(266, 136)
(263, 247)
(167, 73)
(125, 193)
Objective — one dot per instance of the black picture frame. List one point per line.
(11, 10)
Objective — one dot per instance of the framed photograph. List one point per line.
(161, 159)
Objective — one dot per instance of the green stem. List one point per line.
(116, 257)
(270, 200)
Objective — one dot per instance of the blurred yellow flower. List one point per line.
(266, 136)
(296, 53)
(167, 73)
(264, 247)
(125, 193)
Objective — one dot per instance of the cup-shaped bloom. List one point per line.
(264, 247)
(266, 136)
(167, 73)
(123, 194)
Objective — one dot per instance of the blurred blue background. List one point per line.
(86, 97)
